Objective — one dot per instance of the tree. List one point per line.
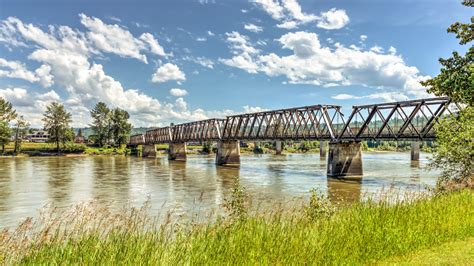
(101, 123)
(455, 133)
(5, 134)
(68, 135)
(21, 129)
(456, 79)
(120, 128)
(7, 113)
(56, 122)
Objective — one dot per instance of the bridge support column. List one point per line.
(228, 152)
(278, 147)
(345, 159)
(415, 150)
(177, 151)
(148, 150)
(322, 148)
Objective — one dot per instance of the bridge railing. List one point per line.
(204, 130)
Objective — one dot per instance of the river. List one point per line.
(28, 184)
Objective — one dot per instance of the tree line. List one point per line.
(111, 127)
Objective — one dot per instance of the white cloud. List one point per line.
(168, 72)
(333, 19)
(16, 69)
(201, 39)
(253, 28)
(244, 52)
(363, 37)
(253, 109)
(200, 60)
(210, 33)
(313, 63)
(176, 92)
(290, 14)
(385, 96)
(152, 44)
(66, 56)
(181, 104)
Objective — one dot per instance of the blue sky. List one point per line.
(175, 61)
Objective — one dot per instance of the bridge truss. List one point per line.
(407, 120)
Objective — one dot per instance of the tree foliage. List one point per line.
(455, 133)
(56, 121)
(21, 129)
(101, 123)
(5, 134)
(7, 113)
(455, 154)
(119, 126)
(456, 79)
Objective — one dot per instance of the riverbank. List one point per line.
(315, 233)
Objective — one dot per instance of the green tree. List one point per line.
(7, 113)
(455, 133)
(101, 123)
(120, 127)
(56, 122)
(21, 129)
(68, 135)
(456, 79)
(455, 152)
(5, 134)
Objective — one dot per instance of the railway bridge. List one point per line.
(405, 120)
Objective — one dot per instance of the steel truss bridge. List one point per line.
(406, 120)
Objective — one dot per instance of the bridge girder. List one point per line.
(406, 120)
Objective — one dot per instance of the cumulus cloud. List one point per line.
(290, 15)
(253, 28)
(178, 92)
(313, 63)
(244, 52)
(16, 69)
(168, 72)
(67, 60)
(333, 19)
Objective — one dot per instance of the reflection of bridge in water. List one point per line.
(408, 120)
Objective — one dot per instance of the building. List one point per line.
(38, 136)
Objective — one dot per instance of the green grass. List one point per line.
(460, 252)
(312, 234)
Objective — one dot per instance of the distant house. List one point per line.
(38, 136)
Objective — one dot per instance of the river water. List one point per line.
(28, 184)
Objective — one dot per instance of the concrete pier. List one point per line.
(322, 148)
(177, 151)
(278, 147)
(228, 152)
(148, 150)
(345, 159)
(415, 150)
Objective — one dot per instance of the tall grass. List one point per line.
(311, 234)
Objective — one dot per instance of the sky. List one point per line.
(186, 60)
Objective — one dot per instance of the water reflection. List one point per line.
(27, 184)
(344, 191)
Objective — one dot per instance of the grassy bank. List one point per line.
(311, 234)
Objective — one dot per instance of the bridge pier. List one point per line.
(134, 150)
(322, 148)
(415, 151)
(278, 147)
(177, 151)
(228, 152)
(148, 150)
(345, 159)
